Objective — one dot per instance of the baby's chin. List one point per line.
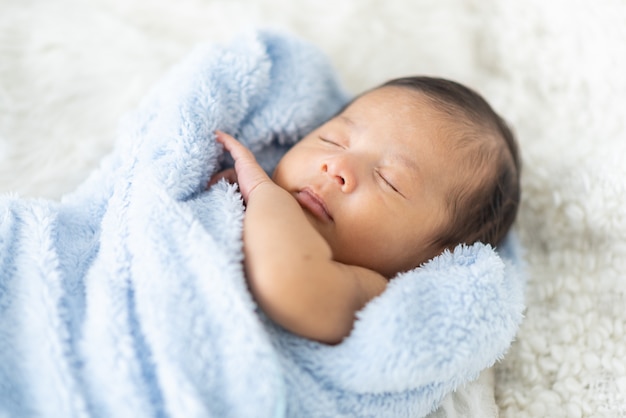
(319, 226)
(343, 254)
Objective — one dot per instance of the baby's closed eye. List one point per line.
(388, 182)
(330, 141)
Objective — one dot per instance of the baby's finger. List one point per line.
(249, 173)
(236, 149)
(229, 174)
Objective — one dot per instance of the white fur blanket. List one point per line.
(70, 69)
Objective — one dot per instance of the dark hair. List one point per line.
(486, 211)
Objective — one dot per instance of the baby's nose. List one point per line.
(341, 173)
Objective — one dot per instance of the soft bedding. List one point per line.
(555, 69)
(127, 297)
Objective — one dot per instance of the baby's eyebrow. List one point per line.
(346, 120)
(405, 161)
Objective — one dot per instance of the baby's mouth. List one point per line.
(313, 204)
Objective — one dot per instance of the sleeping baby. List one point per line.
(405, 171)
(134, 281)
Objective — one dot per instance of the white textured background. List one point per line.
(556, 69)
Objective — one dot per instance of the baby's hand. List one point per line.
(248, 173)
(229, 175)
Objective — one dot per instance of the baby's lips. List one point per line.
(313, 204)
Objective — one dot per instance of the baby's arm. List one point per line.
(289, 266)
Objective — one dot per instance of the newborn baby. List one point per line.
(405, 171)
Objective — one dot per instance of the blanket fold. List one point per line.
(127, 298)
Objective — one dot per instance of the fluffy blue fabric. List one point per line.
(128, 299)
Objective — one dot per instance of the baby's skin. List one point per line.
(289, 266)
(352, 204)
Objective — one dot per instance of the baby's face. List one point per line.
(373, 180)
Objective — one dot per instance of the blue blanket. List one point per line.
(127, 298)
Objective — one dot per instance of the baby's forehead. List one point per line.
(392, 103)
(463, 139)
(400, 97)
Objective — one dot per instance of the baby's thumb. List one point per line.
(229, 174)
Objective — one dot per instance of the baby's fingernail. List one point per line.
(219, 136)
